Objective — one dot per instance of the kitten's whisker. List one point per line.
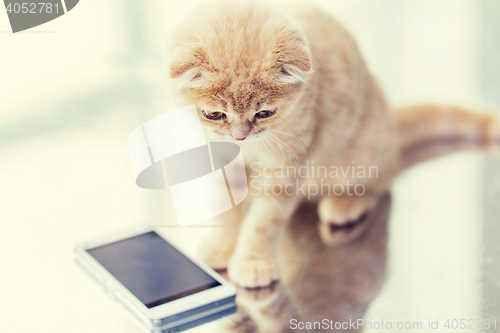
(287, 125)
(286, 147)
(313, 102)
(280, 151)
(299, 139)
(265, 148)
(281, 144)
(262, 148)
(269, 148)
(292, 152)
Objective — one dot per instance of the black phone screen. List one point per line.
(152, 269)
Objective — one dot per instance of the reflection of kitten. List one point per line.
(318, 282)
(290, 85)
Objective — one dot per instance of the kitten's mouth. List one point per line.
(226, 137)
(250, 138)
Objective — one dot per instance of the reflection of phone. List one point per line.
(161, 287)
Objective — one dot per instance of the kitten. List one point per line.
(291, 87)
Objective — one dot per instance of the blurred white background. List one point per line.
(72, 90)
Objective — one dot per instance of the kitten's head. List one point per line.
(242, 64)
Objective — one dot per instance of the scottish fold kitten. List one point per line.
(289, 85)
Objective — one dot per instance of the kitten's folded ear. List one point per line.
(184, 65)
(183, 55)
(294, 61)
(185, 60)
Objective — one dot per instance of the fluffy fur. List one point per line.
(290, 86)
(428, 131)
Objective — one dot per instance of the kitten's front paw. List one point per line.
(248, 296)
(334, 234)
(253, 272)
(343, 219)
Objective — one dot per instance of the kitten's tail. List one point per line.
(430, 131)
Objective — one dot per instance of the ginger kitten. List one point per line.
(289, 85)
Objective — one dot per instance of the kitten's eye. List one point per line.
(213, 115)
(264, 114)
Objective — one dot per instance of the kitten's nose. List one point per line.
(240, 130)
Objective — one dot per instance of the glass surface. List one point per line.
(73, 89)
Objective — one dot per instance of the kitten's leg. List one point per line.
(343, 218)
(264, 306)
(218, 247)
(253, 263)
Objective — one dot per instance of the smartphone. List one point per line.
(163, 289)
